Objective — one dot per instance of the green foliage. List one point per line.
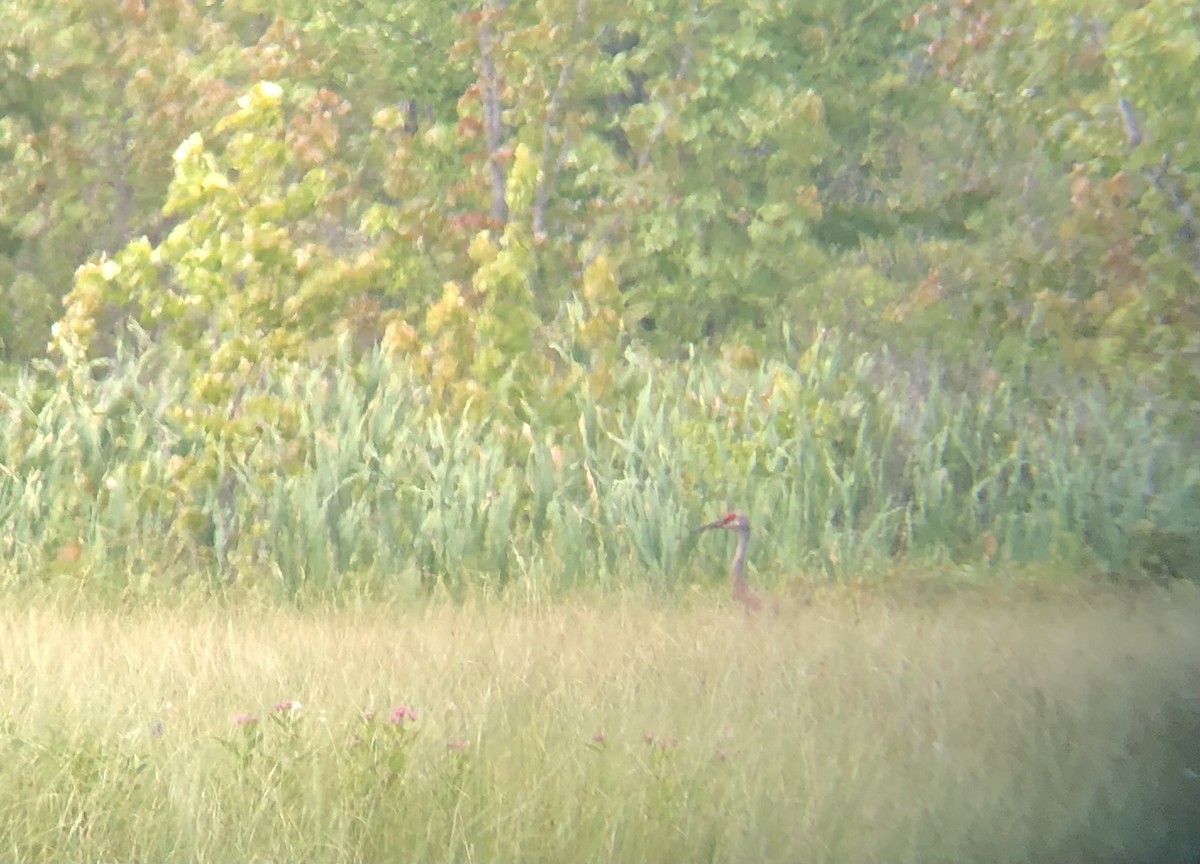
(513, 222)
(354, 471)
(729, 163)
(96, 95)
(1092, 251)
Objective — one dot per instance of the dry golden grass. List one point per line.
(860, 728)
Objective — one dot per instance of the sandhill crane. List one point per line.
(739, 524)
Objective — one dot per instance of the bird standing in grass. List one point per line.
(740, 525)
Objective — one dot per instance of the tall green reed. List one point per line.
(842, 461)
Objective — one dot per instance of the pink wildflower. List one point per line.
(598, 737)
(401, 713)
(288, 706)
(244, 719)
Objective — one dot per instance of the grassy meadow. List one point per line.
(1022, 724)
(340, 624)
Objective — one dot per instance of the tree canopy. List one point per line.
(895, 265)
(516, 192)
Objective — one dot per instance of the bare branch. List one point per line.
(493, 123)
(550, 169)
(1133, 130)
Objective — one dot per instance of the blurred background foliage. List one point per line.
(487, 290)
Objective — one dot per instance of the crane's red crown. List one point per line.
(732, 520)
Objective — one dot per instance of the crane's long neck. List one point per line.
(737, 572)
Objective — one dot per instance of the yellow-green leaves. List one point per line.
(522, 179)
(258, 105)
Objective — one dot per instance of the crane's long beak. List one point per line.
(716, 523)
